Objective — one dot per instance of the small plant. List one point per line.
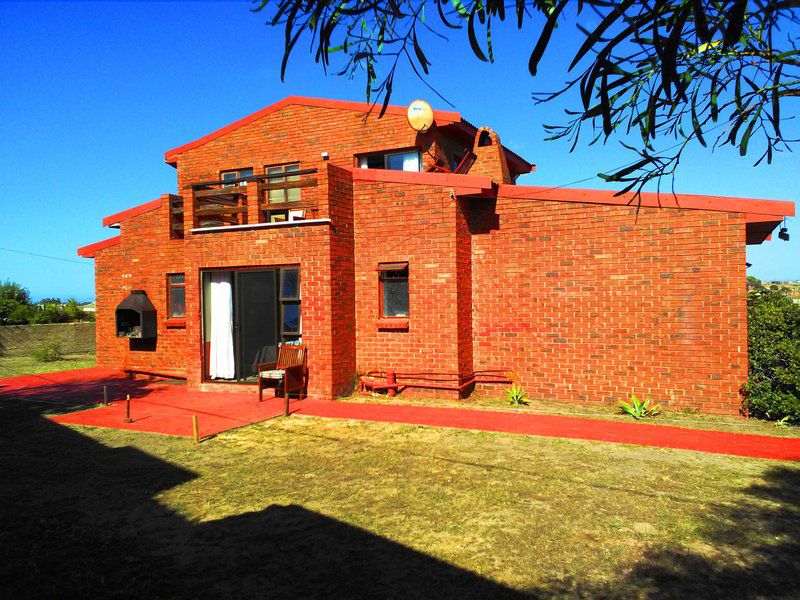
(516, 395)
(48, 352)
(639, 410)
(784, 423)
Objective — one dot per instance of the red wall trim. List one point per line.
(92, 249)
(463, 182)
(132, 212)
(441, 117)
(777, 208)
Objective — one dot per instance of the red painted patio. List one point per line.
(158, 406)
(167, 407)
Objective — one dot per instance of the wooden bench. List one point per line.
(289, 374)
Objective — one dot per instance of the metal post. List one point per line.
(105, 395)
(391, 380)
(128, 409)
(196, 429)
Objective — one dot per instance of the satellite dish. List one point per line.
(420, 115)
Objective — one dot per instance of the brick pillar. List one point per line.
(189, 206)
(253, 199)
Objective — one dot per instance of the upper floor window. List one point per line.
(237, 174)
(284, 194)
(408, 160)
(176, 295)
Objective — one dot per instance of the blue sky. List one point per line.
(92, 94)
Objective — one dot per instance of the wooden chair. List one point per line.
(289, 374)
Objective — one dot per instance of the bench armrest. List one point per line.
(270, 366)
(293, 377)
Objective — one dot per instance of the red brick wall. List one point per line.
(306, 246)
(584, 302)
(141, 260)
(587, 304)
(414, 223)
(301, 134)
(343, 293)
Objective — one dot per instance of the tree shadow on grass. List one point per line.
(760, 535)
(78, 518)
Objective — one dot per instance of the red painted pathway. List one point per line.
(167, 407)
(641, 434)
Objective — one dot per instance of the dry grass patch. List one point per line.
(304, 507)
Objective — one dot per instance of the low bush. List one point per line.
(48, 352)
(773, 388)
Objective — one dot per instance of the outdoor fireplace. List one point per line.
(136, 316)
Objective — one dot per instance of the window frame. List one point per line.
(170, 286)
(393, 267)
(287, 177)
(385, 156)
(237, 173)
(289, 300)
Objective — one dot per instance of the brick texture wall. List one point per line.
(588, 304)
(141, 261)
(414, 223)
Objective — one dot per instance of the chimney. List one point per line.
(490, 158)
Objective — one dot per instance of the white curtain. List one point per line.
(220, 363)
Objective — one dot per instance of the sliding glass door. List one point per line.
(256, 325)
(246, 314)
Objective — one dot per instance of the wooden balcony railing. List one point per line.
(228, 201)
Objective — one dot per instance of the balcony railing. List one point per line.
(238, 202)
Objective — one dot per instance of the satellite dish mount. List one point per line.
(420, 115)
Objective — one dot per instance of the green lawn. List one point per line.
(23, 365)
(303, 507)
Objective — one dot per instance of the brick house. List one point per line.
(389, 250)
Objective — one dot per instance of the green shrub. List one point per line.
(48, 352)
(21, 315)
(773, 388)
(11, 290)
(639, 410)
(516, 395)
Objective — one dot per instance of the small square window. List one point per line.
(176, 295)
(393, 281)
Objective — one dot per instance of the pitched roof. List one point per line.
(442, 118)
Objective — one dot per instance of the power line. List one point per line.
(77, 262)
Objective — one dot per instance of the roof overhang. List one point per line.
(115, 219)
(91, 250)
(762, 216)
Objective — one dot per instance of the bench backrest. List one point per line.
(290, 355)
